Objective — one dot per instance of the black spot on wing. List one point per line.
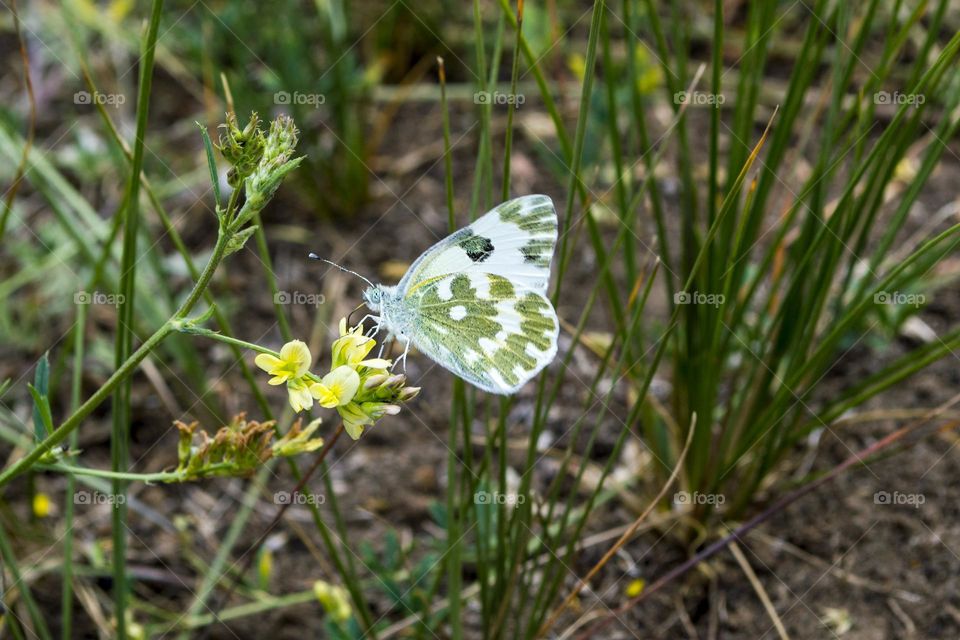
(477, 248)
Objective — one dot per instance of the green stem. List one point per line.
(120, 440)
(262, 604)
(66, 606)
(9, 560)
(186, 326)
(162, 476)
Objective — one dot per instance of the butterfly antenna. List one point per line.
(314, 256)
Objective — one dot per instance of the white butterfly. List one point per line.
(476, 302)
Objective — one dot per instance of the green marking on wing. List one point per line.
(538, 252)
(538, 219)
(476, 247)
(479, 319)
(500, 287)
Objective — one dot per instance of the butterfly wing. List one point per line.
(488, 330)
(478, 297)
(515, 239)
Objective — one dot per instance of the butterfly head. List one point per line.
(373, 297)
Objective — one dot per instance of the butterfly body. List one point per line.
(476, 302)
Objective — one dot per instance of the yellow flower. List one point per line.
(635, 588)
(298, 440)
(337, 387)
(334, 600)
(354, 419)
(265, 566)
(41, 505)
(294, 362)
(299, 393)
(352, 347)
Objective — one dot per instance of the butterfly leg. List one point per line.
(376, 328)
(383, 346)
(403, 357)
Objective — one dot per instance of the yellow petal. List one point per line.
(354, 419)
(324, 395)
(299, 396)
(343, 383)
(267, 362)
(296, 355)
(354, 430)
(360, 349)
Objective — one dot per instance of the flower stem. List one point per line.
(163, 476)
(184, 326)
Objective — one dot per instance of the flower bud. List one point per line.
(408, 393)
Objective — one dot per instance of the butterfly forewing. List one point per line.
(515, 240)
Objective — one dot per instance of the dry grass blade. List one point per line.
(632, 529)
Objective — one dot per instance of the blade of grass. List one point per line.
(119, 441)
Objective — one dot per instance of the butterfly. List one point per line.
(476, 302)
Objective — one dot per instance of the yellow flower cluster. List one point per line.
(334, 599)
(361, 389)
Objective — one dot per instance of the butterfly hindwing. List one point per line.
(487, 329)
(515, 240)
